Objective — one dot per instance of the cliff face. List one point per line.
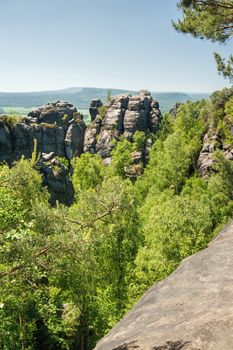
(123, 116)
(192, 309)
(59, 131)
(212, 142)
(57, 127)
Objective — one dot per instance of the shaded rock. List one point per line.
(74, 138)
(57, 130)
(127, 346)
(5, 143)
(50, 138)
(91, 135)
(173, 111)
(192, 309)
(94, 108)
(155, 117)
(57, 180)
(22, 141)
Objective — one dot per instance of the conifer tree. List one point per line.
(212, 20)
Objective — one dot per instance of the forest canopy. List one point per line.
(68, 274)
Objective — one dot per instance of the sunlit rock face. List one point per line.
(124, 115)
(192, 309)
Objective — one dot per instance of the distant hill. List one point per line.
(82, 96)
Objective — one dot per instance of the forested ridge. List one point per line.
(68, 274)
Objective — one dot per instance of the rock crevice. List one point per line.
(124, 115)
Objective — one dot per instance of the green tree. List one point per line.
(88, 172)
(174, 227)
(209, 19)
(121, 157)
(173, 159)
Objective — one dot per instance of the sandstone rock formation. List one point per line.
(57, 128)
(192, 309)
(124, 115)
(59, 112)
(94, 108)
(212, 142)
(56, 178)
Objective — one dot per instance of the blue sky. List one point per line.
(54, 44)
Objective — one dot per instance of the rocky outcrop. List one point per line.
(59, 113)
(56, 128)
(59, 129)
(206, 161)
(124, 115)
(192, 309)
(94, 108)
(212, 142)
(56, 176)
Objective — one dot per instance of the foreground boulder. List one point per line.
(192, 309)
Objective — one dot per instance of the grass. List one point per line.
(18, 110)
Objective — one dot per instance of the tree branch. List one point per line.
(98, 217)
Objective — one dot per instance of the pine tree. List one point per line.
(212, 20)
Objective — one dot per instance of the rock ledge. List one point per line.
(192, 309)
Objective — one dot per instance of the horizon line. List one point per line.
(105, 88)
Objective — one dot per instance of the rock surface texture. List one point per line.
(124, 115)
(58, 129)
(212, 142)
(192, 309)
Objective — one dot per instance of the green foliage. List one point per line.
(11, 210)
(88, 172)
(224, 68)
(48, 125)
(67, 275)
(109, 95)
(139, 140)
(173, 228)
(173, 159)
(11, 119)
(102, 112)
(121, 157)
(208, 19)
(64, 161)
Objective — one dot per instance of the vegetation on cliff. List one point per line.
(68, 274)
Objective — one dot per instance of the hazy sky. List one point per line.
(53, 44)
